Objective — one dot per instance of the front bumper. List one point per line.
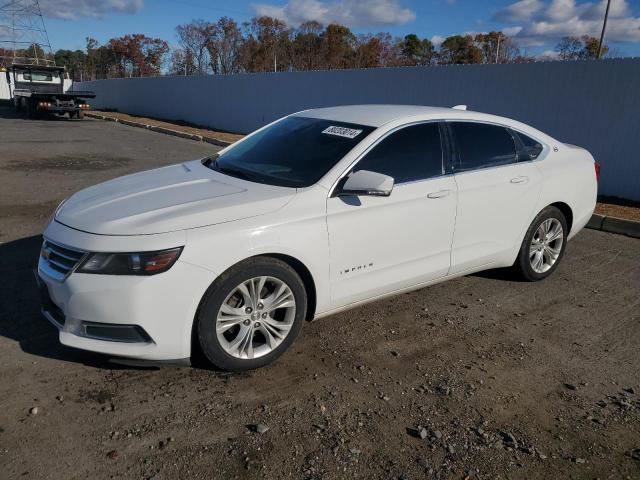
(148, 318)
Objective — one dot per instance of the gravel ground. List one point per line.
(618, 211)
(481, 377)
(180, 126)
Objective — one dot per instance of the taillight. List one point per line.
(597, 167)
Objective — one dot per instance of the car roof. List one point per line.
(372, 115)
(379, 115)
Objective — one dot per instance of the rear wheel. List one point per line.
(80, 114)
(251, 314)
(31, 108)
(543, 246)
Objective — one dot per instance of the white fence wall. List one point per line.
(592, 104)
(5, 93)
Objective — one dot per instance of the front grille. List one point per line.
(61, 261)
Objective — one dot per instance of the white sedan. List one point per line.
(315, 213)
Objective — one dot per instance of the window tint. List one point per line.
(294, 152)
(480, 145)
(411, 153)
(531, 148)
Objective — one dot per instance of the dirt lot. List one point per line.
(180, 126)
(508, 379)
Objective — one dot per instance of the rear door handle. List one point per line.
(439, 194)
(520, 179)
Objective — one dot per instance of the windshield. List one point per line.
(294, 152)
(39, 76)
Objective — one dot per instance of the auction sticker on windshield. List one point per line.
(342, 131)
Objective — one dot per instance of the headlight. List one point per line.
(141, 263)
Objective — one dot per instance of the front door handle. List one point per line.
(439, 194)
(520, 179)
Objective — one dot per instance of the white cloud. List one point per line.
(75, 9)
(540, 22)
(351, 13)
(519, 11)
(437, 40)
(512, 31)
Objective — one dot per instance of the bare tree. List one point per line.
(225, 46)
(181, 62)
(194, 37)
(496, 47)
(579, 48)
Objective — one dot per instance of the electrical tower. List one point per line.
(23, 35)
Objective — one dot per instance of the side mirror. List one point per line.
(364, 182)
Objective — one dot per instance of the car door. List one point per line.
(382, 244)
(496, 195)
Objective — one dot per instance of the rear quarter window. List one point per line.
(531, 148)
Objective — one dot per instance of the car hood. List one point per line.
(168, 199)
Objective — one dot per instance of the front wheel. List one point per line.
(543, 246)
(251, 314)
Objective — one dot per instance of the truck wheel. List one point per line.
(80, 114)
(31, 109)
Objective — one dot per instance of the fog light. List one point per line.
(115, 333)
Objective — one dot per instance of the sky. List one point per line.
(536, 25)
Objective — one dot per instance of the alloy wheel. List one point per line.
(546, 245)
(255, 317)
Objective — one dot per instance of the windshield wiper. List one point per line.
(214, 165)
(234, 173)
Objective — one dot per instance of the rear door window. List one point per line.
(480, 145)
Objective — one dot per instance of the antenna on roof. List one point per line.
(459, 107)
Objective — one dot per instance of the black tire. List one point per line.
(205, 322)
(522, 265)
(31, 109)
(80, 114)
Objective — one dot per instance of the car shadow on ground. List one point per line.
(505, 274)
(20, 317)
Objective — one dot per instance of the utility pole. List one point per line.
(498, 47)
(22, 29)
(604, 27)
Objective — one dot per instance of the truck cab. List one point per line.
(41, 89)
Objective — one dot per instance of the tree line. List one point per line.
(266, 44)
